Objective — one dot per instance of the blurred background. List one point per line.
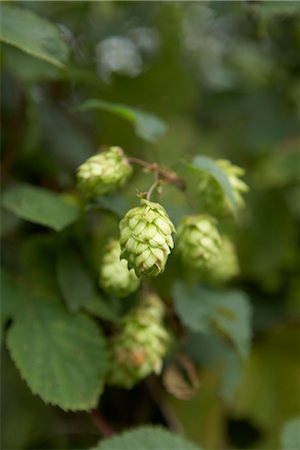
(225, 77)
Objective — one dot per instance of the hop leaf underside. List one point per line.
(141, 346)
(198, 241)
(103, 173)
(115, 277)
(146, 238)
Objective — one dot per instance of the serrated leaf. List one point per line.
(33, 34)
(146, 438)
(204, 164)
(75, 282)
(61, 357)
(206, 310)
(146, 125)
(40, 206)
(290, 436)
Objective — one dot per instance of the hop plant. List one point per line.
(213, 197)
(198, 240)
(226, 266)
(142, 344)
(115, 278)
(146, 238)
(103, 173)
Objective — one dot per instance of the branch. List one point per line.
(101, 424)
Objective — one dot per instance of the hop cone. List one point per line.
(198, 240)
(146, 238)
(140, 347)
(103, 173)
(115, 278)
(226, 266)
(212, 195)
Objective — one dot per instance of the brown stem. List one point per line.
(166, 175)
(101, 424)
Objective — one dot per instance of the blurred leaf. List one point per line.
(99, 307)
(40, 206)
(9, 222)
(32, 34)
(113, 203)
(74, 279)
(12, 296)
(203, 310)
(209, 350)
(146, 438)
(147, 126)
(268, 391)
(271, 8)
(204, 164)
(290, 435)
(61, 357)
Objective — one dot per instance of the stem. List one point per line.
(101, 424)
(152, 188)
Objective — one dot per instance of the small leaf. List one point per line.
(290, 436)
(147, 126)
(61, 357)
(32, 34)
(146, 438)
(74, 280)
(205, 310)
(40, 206)
(204, 164)
(112, 203)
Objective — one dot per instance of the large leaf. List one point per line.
(147, 126)
(32, 34)
(61, 357)
(103, 309)
(205, 310)
(290, 436)
(209, 350)
(202, 164)
(74, 279)
(146, 438)
(40, 206)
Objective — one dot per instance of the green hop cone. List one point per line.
(226, 266)
(138, 350)
(213, 198)
(198, 240)
(115, 278)
(146, 238)
(103, 173)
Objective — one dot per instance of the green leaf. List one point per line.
(12, 296)
(112, 203)
(75, 282)
(32, 34)
(99, 307)
(146, 438)
(61, 357)
(40, 206)
(205, 310)
(290, 436)
(202, 164)
(209, 350)
(147, 126)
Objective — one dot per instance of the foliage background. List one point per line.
(224, 76)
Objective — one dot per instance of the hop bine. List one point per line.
(104, 173)
(213, 198)
(198, 240)
(142, 344)
(115, 278)
(146, 238)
